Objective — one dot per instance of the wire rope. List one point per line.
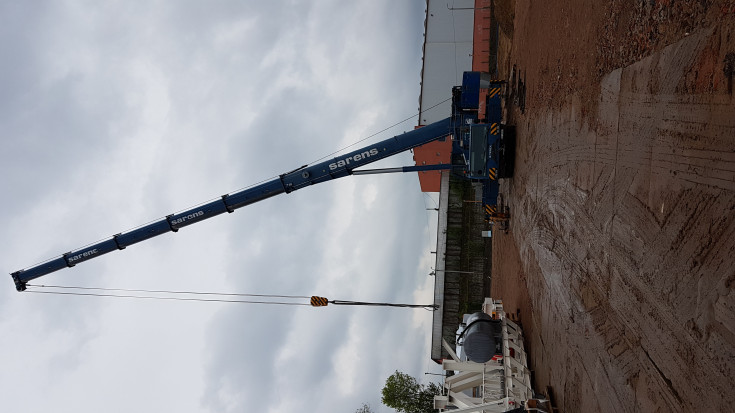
(175, 295)
(430, 307)
(145, 297)
(379, 132)
(136, 290)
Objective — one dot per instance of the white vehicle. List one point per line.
(500, 381)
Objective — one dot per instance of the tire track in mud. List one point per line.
(626, 230)
(570, 245)
(578, 279)
(674, 149)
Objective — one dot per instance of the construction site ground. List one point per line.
(620, 253)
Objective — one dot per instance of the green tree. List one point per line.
(404, 393)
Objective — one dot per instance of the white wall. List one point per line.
(447, 54)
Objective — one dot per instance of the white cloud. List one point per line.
(347, 359)
(120, 113)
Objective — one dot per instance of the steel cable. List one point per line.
(171, 295)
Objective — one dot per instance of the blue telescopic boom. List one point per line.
(464, 115)
(302, 177)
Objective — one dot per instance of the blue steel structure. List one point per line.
(474, 140)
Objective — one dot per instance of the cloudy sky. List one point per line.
(117, 113)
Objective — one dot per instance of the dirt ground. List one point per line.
(621, 250)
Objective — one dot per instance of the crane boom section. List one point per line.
(337, 167)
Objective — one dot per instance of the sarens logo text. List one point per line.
(187, 217)
(354, 158)
(85, 254)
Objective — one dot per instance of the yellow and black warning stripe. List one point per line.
(494, 128)
(492, 92)
(491, 209)
(493, 173)
(319, 301)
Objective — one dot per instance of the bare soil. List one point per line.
(621, 250)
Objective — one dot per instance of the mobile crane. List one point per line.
(479, 143)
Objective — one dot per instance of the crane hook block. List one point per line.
(318, 301)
